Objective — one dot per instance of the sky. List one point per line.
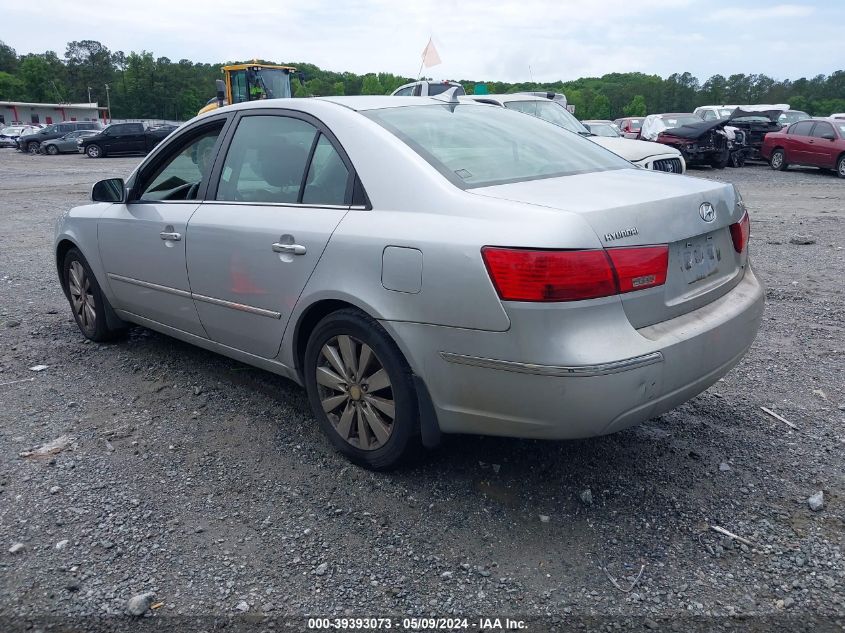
(489, 40)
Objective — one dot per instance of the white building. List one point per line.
(46, 113)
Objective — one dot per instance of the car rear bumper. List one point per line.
(482, 392)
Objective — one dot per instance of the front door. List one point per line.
(823, 151)
(142, 242)
(282, 190)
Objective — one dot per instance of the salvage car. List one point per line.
(70, 142)
(422, 267)
(711, 143)
(642, 154)
(757, 121)
(812, 142)
(124, 138)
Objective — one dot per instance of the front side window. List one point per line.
(266, 160)
(182, 171)
(823, 128)
(549, 111)
(474, 146)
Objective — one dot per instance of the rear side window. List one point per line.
(266, 160)
(436, 89)
(405, 92)
(822, 128)
(328, 176)
(801, 128)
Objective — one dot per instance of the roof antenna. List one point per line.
(449, 96)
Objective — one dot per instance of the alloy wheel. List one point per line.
(355, 392)
(777, 160)
(82, 297)
(842, 167)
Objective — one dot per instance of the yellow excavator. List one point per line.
(251, 82)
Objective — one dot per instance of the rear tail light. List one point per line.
(639, 268)
(536, 275)
(740, 232)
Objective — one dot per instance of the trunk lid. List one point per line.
(634, 207)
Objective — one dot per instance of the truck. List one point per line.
(124, 139)
(251, 82)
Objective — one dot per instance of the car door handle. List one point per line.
(292, 249)
(170, 236)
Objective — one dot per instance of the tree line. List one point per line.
(143, 86)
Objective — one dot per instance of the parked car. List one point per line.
(838, 115)
(789, 117)
(630, 126)
(32, 142)
(70, 142)
(602, 128)
(814, 142)
(9, 136)
(123, 139)
(565, 294)
(712, 143)
(642, 154)
(426, 88)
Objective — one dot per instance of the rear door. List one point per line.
(282, 188)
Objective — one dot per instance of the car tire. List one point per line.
(87, 302)
(737, 159)
(94, 151)
(349, 400)
(52, 150)
(777, 161)
(840, 166)
(32, 147)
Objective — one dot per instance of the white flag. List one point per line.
(429, 55)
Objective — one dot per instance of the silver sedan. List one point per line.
(422, 267)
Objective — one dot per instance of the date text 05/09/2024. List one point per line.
(419, 624)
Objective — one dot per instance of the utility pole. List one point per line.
(89, 94)
(108, 101)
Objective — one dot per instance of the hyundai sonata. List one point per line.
(422, 266)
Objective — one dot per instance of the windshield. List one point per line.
(603, 129)
(678, 121)
(549, 111)
(9, 131)
(793, 116)
(478, 146)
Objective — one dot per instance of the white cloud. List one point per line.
(477, 39)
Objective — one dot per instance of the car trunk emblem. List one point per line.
(707, 212)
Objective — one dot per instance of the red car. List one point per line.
(815, 142)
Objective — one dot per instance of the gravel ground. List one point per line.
(208, 483)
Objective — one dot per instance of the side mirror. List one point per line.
(829, 136)
(109, 190)
(221, 92)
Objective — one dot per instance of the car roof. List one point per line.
(507, 98)
(676, 114)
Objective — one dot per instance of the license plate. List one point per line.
(700, 259)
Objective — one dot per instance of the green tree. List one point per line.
(11, 88)
(600, 108)
(8, 58)
(371, 86)
(636, 107)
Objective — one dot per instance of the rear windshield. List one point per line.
(479, 146)
(634, 124)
